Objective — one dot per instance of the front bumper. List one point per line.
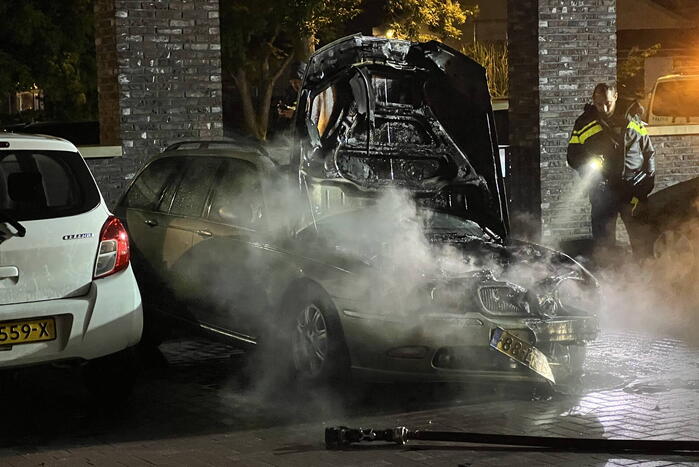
(105, 321)
(455, 348)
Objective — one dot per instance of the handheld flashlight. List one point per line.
(596, 163)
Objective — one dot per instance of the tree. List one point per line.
(424, 20)
(629, 72)
(493, 56)
(260, 38)
(51, 44)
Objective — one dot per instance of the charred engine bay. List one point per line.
(383, 113)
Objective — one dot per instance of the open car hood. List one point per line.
(376, 113)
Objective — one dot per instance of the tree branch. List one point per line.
(281, 69)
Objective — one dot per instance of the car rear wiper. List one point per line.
(21, 231)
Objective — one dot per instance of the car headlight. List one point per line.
(576, 297)
(506, 299)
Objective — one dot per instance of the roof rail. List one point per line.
(217, 144)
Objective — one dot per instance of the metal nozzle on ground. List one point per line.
(341, 436)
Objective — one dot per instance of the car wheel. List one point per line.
(675, 254)
(111, 379)
(316, 342)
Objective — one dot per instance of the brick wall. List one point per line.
(168, 73)
(575, 47)
(577, 50)
(677, 159)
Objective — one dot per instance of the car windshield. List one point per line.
(440, 222)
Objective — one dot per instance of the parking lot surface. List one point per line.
(195, 404)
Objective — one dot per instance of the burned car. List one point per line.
(378, 113)
(384, 248)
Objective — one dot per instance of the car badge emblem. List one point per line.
(77, 236)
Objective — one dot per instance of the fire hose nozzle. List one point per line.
(340, 436)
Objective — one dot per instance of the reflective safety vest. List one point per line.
(625, 154)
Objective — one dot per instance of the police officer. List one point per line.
(611, 149)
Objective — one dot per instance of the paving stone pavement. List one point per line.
(195, 408)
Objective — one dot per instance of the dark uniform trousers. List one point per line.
(607, 202)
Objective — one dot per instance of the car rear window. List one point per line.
(678, 98)
(45, 184)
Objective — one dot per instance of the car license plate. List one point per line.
(27, 330)
(522, 352)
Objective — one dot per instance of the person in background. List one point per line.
(611, 149)
(286, 105)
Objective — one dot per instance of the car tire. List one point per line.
(110, 379)
(314, 340)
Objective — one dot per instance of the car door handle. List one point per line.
(204, 233)
(9, 272)
(150, 222)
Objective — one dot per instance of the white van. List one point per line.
(67, 292)
(674, 101)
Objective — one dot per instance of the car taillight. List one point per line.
(113, 252)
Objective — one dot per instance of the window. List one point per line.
(147, 190)
(191, 194)
(399, 90)
(678, 98)
(238, 195)
(45, 184)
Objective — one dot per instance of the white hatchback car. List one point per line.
(67, 291)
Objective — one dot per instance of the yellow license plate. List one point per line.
(522, 352)
(27, 330)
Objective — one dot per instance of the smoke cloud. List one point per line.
(656, 294)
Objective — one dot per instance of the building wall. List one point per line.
(575, 42)
(164, 59)
(577, 50)
(677, 158)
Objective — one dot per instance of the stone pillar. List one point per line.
(572, 44)
(168, 76)
(523, 48)
(107, 85)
